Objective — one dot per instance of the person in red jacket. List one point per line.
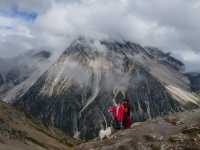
(121, 114)
(117, 111)
(118, 115)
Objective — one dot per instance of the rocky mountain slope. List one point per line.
(179, 131)
(176, 132)
(18, 74)
(75, 93)
(165, 58)
(19, 132)
(195, 81)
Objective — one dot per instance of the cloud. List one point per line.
(170, 25)
(15, 36)
(190, 58)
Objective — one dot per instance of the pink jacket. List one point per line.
(118, 112)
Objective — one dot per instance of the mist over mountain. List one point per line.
(17, 74)
(76, 91)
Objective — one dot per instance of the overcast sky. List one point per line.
(172, 25)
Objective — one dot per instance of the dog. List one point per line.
(105, 133)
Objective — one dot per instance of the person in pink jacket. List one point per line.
(118, 114)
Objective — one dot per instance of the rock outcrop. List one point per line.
(178, 132)
(195, 81)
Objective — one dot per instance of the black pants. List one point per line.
(117, 124)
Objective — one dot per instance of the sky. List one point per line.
(173, 25)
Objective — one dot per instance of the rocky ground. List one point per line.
(175, 132)
(19, 132)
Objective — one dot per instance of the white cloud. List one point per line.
(196, 5)
(171, 25)
(190, 56)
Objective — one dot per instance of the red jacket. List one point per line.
(113, 109)
(118, 112)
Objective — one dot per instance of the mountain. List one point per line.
(178, 132)
(165, 58)
(1, 80)
(21, 132)
(18, 74)
(195, 81)
(75, 92)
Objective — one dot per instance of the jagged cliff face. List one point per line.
(75, 93)
(19, 73)
(195, 81)
(165, 58)
(1, 80)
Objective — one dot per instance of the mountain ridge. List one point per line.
(19, 73)
(75, 92)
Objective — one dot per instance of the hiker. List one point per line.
(118, 114)
(127, 114)
(113, 110)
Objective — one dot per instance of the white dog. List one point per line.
(105, 133)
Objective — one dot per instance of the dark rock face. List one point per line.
(1, 80)
(195, 81)
(75, 93)
(42, 54)
(16, 76)
(165, 58)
